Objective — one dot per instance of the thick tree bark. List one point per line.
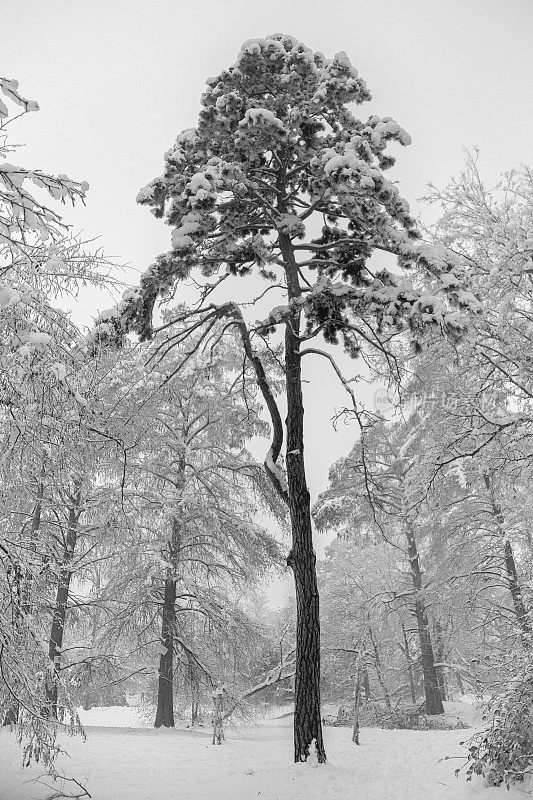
(165, 694)
(302, 559)
(431, 684)
(165, 689)
(57, 630)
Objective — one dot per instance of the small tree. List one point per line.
(190, 494)
(280, 177)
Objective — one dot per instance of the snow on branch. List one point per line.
(282, 672)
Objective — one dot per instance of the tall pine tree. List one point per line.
(279, 178)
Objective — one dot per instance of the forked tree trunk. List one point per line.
(165, 694)
(302, 559)
(427, 659)
(57, 631)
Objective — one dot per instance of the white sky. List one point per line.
(118, 79)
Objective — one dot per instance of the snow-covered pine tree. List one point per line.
(281, 179)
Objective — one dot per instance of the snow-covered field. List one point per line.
(135, 763)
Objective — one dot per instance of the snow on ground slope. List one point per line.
(253, 764)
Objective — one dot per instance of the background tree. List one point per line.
(378, 486)
(190, 493)
(40, 262)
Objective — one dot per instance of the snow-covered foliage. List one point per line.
(42, 410)
(489, 230)
(40, 261)
(280, 178)
(503, 751)
(276, 145)
(24, 220)
(471, 520)
(136, 520)
(188, 503)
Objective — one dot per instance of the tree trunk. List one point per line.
(431, 684)
(25, 581)
(165, 694)
(357, 697)
(165, 689)
(89, 696)
(441, 656)
(218, 714)
(57, 630)
(55, 642)
(26, 605)
(377, 666)
(516, 593)
(366, 684)
(194, 685)
(194, 712)
(301, 559)
(519, 606)
(409, 660)
(12, 714)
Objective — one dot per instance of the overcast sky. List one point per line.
(116, 81)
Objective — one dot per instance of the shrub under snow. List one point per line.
(503, 752)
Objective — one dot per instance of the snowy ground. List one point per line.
(136, 763)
